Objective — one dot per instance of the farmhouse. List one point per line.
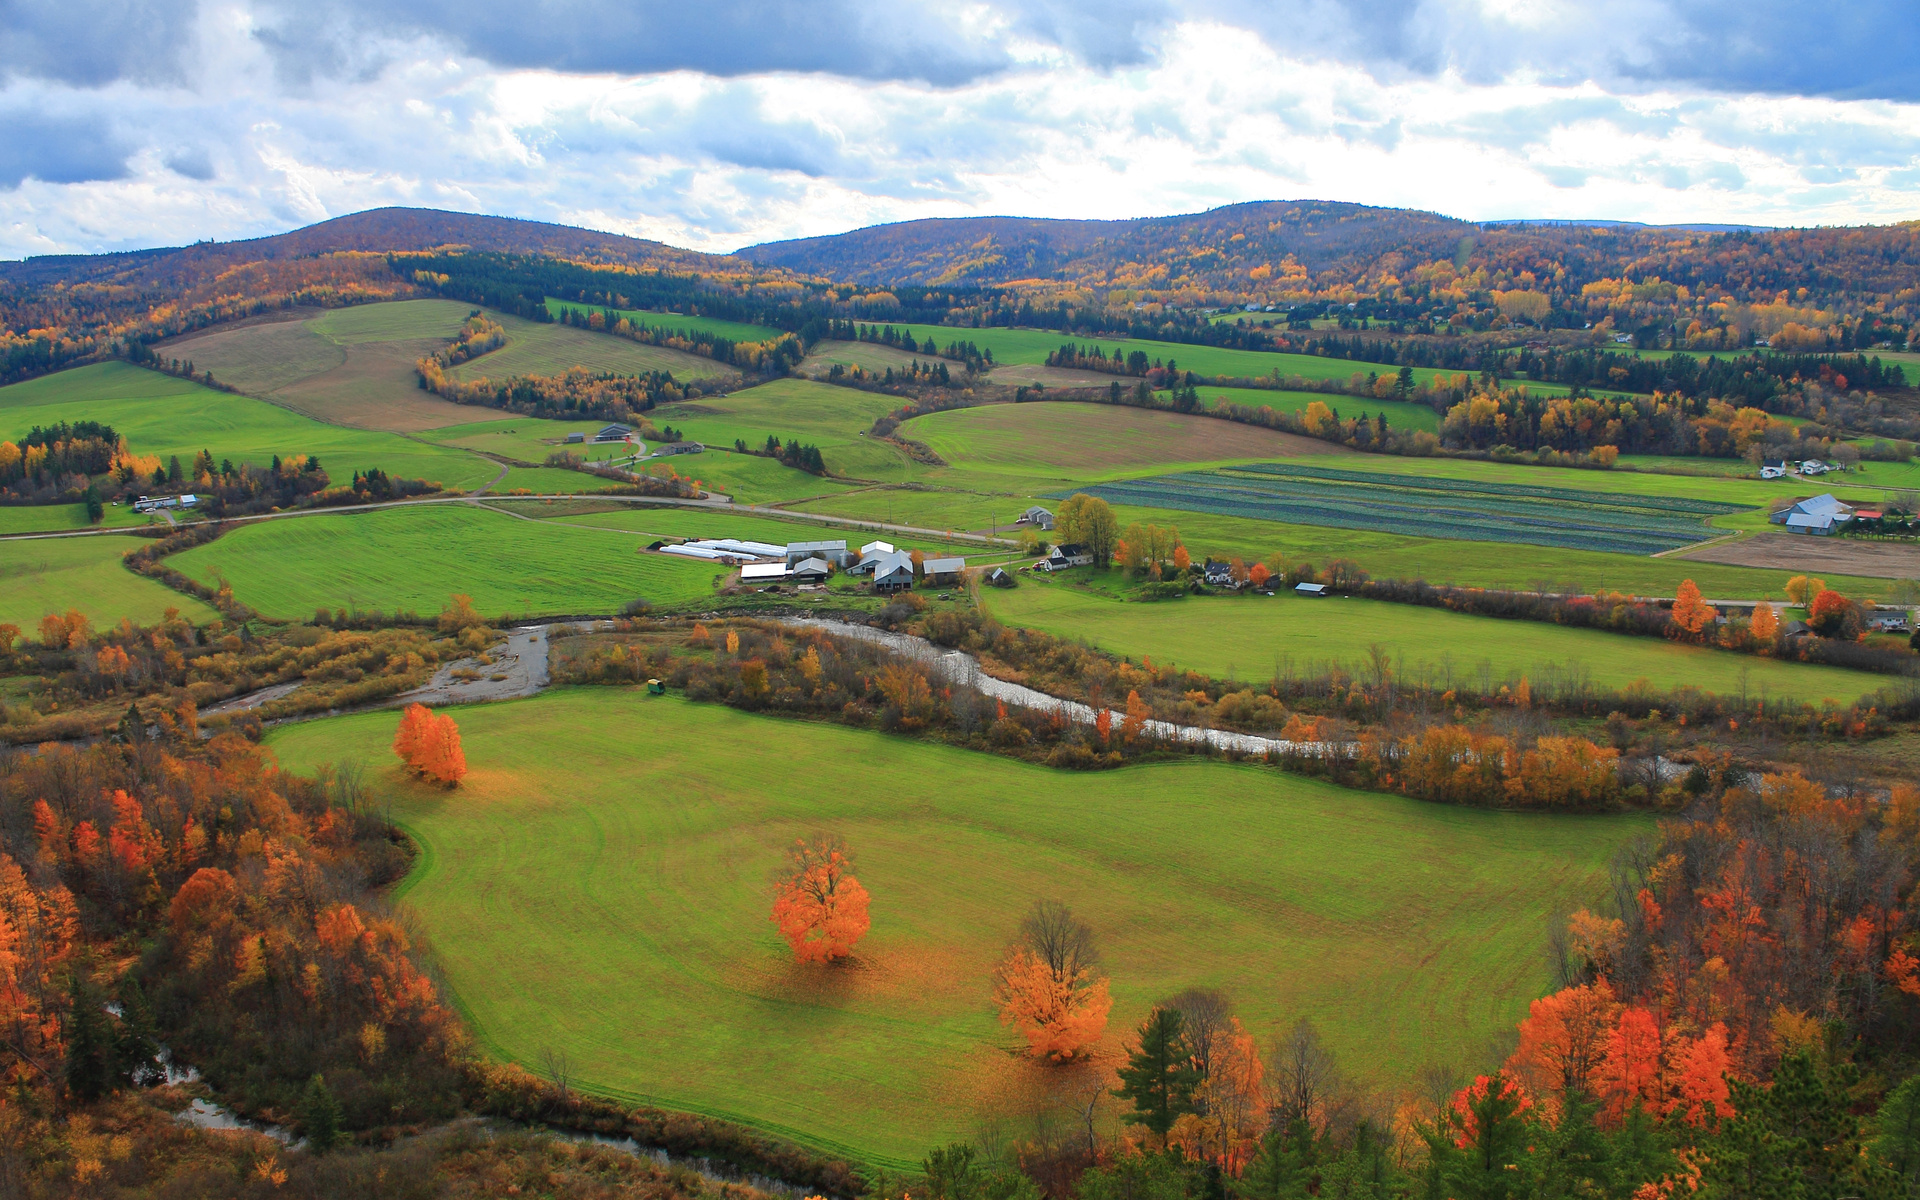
(1072, 555)
(810, 570)
(1775, 469)
(1219, 574)
(832, 552)
(1817, 515)
(1888, 622)
(943, 570)
(756, 573)
(1814, 466)
(1037, 517)
(680, 448)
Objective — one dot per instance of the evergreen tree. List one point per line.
(96, 508)
(1896, 1145)
(1159, 1076)
(137, 1049)
(90, 1048)
(320, 1115)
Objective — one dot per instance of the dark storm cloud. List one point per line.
(90, 43)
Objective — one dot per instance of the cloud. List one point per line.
(92, 43)
(59, 149)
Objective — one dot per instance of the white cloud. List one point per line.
(1214, 116)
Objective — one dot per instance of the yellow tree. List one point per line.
(1766, 623)
(1691, 614)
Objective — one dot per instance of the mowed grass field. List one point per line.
(833, 418)
(43, 575)
(413, 557)
(599, 885)
(347, 366)
(1399, 413)
(1252, 637)
(1043, 443)
(159, 414)
(542, 348)
(652, 521)
(737, 331)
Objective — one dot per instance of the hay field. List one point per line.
(159, 414)
(1251, 637)
(871, 355)
(43, 575)
(832, 418)
(413, 557)
(1400, 414)
(1063, 441)
(347, 366)
(732, 330)
(540, 348)
(599, 885)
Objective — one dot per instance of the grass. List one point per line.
(737, 331)
(1251, 637)
(599, 885)
(1424, 505)
(1043, 444)
(1399, 413)
(832, 418)
(43, 575)
(542, 348)
(414, 557)
(159, 414)
(658, 521)
(524, 439)
(349, 366)
(60, 518)
(552, 481)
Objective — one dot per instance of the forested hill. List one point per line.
(1321, 235)
(1286, 252)
(378, 230)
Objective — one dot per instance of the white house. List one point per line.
(1074, 555)
(1814, 466)
(1773, 470)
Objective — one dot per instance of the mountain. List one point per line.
(376, 230)
(1320, 235)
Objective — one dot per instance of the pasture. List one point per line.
(1430, 506)
(599, 886)
(1253, 638)
(413, 557)
(521, 439)
(63, 518)
(159, 414)
(1399, 413)
(737, 331)
(832, 418)
(652, 521)
(543, 348)
(346, 366)
(43, 575)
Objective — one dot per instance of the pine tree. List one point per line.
(90, 1049)
(1159, 1076)
(320, 1114)
(136, 1048)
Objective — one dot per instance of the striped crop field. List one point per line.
(1427, 507)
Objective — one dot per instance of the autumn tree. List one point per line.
(1801, 590)
(1089, 521)
(1765, 625)
(1135, 722)
(1832, 615)
(1047, 987)
(1691, 614)
(819, 907)
(429, 744)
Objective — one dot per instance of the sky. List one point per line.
(718, 124)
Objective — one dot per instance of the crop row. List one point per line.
(1502, 491)
(1435, 513)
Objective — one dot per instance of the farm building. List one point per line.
(680, 448)
(892, 572)
(574, 439)
(1037, 517)
(1817, 515)
(832, 552)
(871, 555)
(943, 570)
(1314, 590)
(614, 433)
(772, 572)
(877, 547)
(999, 578)
(810, 570)
(739, 546)
(1219, 574)
(1071, 555)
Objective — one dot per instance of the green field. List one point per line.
(659, 521)
(545, 348)
(159, 414)
(832, 418)
(736, 331)
(599, 886)
(61, 518)
(43, 575)
(1399, 413)
(414, 557)
(1250, 637)
(524, 439)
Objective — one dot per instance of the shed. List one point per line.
(763, 572)
(574, 439)
(1310, 589)
(999, 578)
(809, 570)
(943, 569)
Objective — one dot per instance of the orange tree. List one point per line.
(819, 907)
(1047, 988)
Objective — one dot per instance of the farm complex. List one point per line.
(883, 739)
